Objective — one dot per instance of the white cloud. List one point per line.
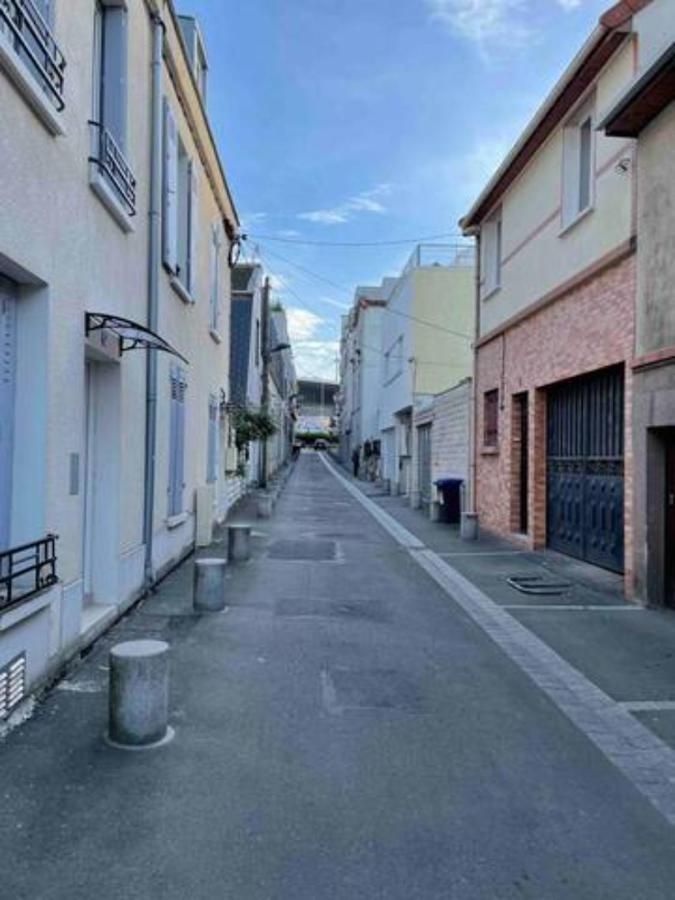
(278, 282)
(316, 359)
(303, 324)
(497, 25)
(366, 201)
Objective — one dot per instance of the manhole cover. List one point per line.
(316, 551)
(345, 689)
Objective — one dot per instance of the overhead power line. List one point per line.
(343, 244)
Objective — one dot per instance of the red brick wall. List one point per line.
(588, 328)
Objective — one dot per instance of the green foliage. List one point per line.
(308, 437)
(252, 425)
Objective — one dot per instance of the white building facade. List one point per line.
(114, 292)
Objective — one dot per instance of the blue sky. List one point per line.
(369, 120)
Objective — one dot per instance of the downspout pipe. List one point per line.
(154, 240)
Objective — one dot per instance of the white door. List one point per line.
(7, 392)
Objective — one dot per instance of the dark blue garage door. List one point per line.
(585, 468)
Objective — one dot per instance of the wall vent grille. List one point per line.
(12, 684)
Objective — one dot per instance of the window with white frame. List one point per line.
(578, 155)
(491, 253)
(110, 100)
(180, 216)
(178, 384)
(212, 448)
(214, 291)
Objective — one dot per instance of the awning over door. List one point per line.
(131, 335)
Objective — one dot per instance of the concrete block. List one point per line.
(265, 506)
(435, 511)
(239, 543)
(209, 585)
(139, 694)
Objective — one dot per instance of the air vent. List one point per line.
(12, 685)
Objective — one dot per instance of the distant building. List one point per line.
(316, 405)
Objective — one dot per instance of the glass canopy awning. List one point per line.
(132, 336)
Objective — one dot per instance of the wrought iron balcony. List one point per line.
(111, 161)
(27, 569)
(34, 44)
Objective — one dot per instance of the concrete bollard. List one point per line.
(239, 543)
(139, 695)
(469, 526)
(265, 506)
(209, 585)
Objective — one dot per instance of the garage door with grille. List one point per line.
(585, 468)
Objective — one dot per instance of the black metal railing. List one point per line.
(27, 569)
(34, 44)
(111, 161)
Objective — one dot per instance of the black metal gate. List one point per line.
(584, 512)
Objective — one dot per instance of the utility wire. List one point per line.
(387, 309)
(306, 243)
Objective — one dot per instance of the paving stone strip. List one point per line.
(639, 754)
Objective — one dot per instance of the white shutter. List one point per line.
(7, 391)
(170, 192)
(193, 228)
(216, 241)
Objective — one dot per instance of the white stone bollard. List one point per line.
(139, 695)
(209, 585)
(265, 506)
(239, 543)
(468, 528)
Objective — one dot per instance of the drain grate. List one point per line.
(12, 684)
(538, 585)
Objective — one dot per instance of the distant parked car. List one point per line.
(320, 444)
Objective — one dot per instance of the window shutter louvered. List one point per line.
(170, 192)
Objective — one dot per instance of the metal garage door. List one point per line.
(585, 468)
(424, 463)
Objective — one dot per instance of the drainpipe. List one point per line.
(154, 238)
(473, 422)
(265, 392)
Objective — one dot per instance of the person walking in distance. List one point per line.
(355, 462)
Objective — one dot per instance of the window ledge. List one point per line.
(29, 88)
(489, 451)
(491, 293)
(177, 520)
(575, 221)
(216, 335)
(108, 197)
(181, 290)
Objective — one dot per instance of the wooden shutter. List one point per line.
(114, 73)
(193, 227)
(170, 192)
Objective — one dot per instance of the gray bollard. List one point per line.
(139, 695)
(265, 506)
(239, 543)
(209, 585)
(468, 528)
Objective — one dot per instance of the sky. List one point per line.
(361, 121)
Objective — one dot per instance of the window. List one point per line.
(110, 102)
(179, 207)
(214, 294)
(491, 242)
(177, 441)
(212, 450)
(578, 165)
(257, 342)
(491, 418)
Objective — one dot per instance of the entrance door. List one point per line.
(585, 468)
(670, 524)
(7, 391)
(424, 463)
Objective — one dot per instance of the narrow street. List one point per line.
(344, 730)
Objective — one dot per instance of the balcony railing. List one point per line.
(111, 161)
(34, 44)
(446, 255)
(27, 569)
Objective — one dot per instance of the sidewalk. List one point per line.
(625, 649)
